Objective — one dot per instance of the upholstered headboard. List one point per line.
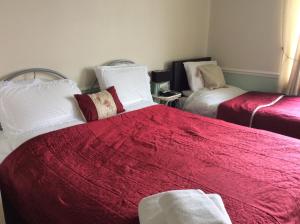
(179, 79)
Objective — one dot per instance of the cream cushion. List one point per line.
(194, 78)
(212, 75)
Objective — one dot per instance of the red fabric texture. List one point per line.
(118, 103)
(283, 117)
(89, 109)
(99, 171)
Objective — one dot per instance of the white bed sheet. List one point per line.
(205, 102)
(11, 142)
(139, 105)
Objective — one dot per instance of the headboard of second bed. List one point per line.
(179, 79)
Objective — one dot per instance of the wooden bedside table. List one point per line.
(166, 100)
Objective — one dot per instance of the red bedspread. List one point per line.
(98, 172)
(283, 117)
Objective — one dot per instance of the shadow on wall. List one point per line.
(252, 82)
(88, 77)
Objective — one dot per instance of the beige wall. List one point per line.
(71, 36)
(245, 34)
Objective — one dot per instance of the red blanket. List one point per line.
(283, 117)
(98, 172)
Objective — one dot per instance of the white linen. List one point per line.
(131, 82)
(5, 147)
(187, 93)
(194, 78)
(205, 102)
(9, 143)
(183, 206)
(138, 105)
(28, 106)
(150, 211)
(181, 102)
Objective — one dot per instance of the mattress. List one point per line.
(205, 102)
(99, 171)
(269, 111)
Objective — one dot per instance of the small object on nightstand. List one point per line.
(160, 80)
(167, 97)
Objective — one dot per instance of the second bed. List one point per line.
(269, 111)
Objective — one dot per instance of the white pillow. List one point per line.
(28, 106)
(19, 82)
(131, 82)
(195, 80)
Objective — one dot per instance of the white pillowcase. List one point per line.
(28, 106)
(195, 80)
(131, 82)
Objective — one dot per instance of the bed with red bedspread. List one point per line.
(98, 172)
(281, 114)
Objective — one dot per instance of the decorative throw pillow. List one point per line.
(99, 105)
(194, 78)
(213, 76)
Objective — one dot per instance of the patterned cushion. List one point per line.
(99, 105)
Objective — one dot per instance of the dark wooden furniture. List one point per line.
(179, 80)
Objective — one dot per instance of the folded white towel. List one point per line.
(183, 207)
(219, 203)
(150, 211)
(192, 207)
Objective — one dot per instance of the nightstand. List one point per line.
(166, 100)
